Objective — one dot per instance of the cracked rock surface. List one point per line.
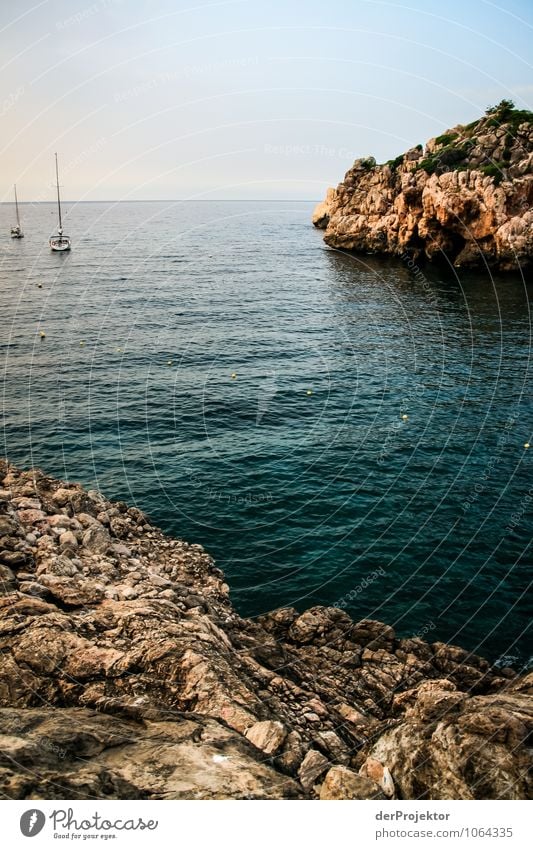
(125, 672)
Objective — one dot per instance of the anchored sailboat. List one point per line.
(16, 232)
(59, 242)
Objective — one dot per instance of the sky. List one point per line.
(241, 99)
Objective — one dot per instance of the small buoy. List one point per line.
(82, 343)
(39, 285)
(233, 375)
(169, 363)
(118, 350)
(405, 417)
(309, 391)
(42, 334)
(526, 444)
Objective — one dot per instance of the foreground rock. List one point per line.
(467, 197)
(343, 783)
(120, 645)
(75, 753)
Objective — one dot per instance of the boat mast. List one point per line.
(17, 207)
(58, 198)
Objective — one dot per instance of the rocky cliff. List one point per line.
(126, 673)
(467, 197)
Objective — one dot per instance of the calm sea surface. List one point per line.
(216, 365)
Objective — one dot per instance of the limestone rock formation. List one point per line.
(324, 209)
(443, 731)
(121, 644)
(343, 783)
(76, 753)
(467, 197)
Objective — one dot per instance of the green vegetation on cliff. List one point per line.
(453, 150)
(465, 147)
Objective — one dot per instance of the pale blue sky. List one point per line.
(245, 98)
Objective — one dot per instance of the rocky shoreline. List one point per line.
(466, 198)
(126, 673)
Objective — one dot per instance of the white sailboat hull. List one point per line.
(59, 243)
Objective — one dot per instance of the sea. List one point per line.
(333, 429)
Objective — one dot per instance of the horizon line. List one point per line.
(168, 200)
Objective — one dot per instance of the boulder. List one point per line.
(61, 496)
(312, 767)
(475, 751)
(96, 538)
(379, 774)
(31, 516)
(343, 783)
(267, 736)
(68, 541)
(8, 527)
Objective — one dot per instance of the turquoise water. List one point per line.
(299, 473)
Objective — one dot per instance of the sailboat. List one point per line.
(59, 242)
(16, 232)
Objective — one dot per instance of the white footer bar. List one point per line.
(228, 824)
